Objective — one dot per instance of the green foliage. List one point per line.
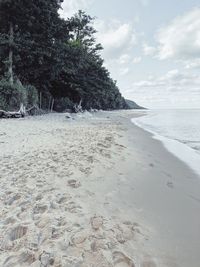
(32, 96)
(63, 104)
(83, 76)
(60, 57)
(12, 95)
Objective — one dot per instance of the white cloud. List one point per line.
(149, 50)
(116, 37)
(173, 80)
(70, 7)
(124, 71)
(137, 60)
(124, 59)
(194, 64)
(174, 89)
(181, 38)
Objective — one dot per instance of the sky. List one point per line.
(151, 47)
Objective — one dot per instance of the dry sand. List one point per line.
(74, 193)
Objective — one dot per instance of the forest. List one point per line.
(51, 62)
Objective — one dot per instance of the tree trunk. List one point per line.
(52, 104)
(40, 100)
(10, 66)
(22, 110)
(78, 108)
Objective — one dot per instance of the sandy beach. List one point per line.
(94, 191)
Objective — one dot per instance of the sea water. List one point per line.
(179, 130)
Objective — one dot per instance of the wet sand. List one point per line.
(94, 191)
(166, 198)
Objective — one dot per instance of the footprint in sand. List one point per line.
(17, 232)
(26, 257)
(72, 207)
(12, 199)
(96, 222)
(148, 263)
(10, 220)
(62, 198)
(46, 259)
(40, 209)
(33, 240)
(7, 243)
(39, 197)
(74, 183)
(170, 184)
(151, 165)
(121, 260)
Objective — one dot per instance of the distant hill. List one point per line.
(133, 105)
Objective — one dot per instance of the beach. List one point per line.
(94, 190)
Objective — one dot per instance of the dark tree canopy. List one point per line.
(59, 57)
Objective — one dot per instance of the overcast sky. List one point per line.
(151, 47)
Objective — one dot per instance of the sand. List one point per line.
(90, 191)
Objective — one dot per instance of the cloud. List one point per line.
(194, 64)
(118, 40)
(70, 7)
(174, 89)
(149, 50)
(137, 60)
(181, 38)
(124, 71)
(116, 37)
(172, 81)
(124, 59)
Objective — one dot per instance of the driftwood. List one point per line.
(13, 114)
(78, 107)
(9, 114)
(34, 110)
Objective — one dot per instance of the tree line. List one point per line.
(52, 62)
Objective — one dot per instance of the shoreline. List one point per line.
(171, 200)
(97, 190)
(182, 151)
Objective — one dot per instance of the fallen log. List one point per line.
(9, 114)
(34, 110)
(78, 107)
(13, 114)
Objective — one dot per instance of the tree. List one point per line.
(29, 28)
(59, 57)
(83, 76)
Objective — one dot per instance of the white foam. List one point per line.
(180, 150)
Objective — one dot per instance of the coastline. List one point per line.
(98, 186)
(181, 150)
(170, 201)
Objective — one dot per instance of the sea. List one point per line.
(178, 130)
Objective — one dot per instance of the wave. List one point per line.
(181, 149)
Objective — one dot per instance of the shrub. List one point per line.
(32, 96)
(63, 104)
(11, 95)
